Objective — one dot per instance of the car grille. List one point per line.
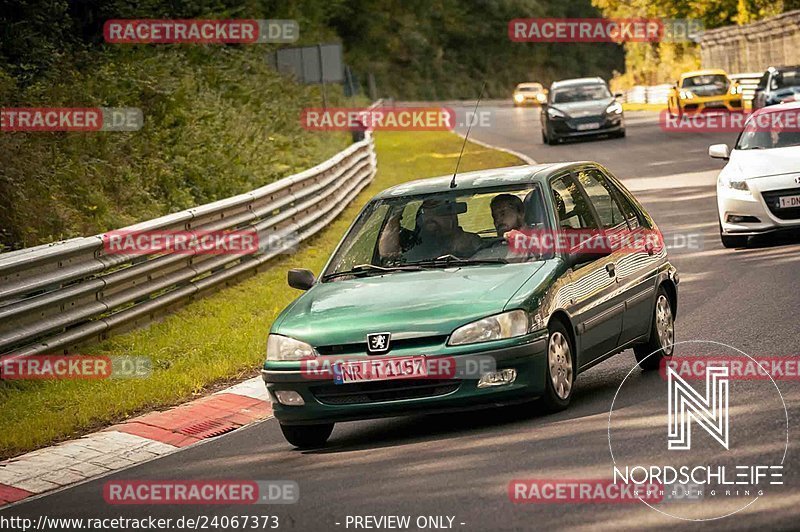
(361, 347)
(391, 390)
(715, 105)
(772, 199)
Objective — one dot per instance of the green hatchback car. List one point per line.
(498, 287)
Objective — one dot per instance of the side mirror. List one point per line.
(719, 151)
(301, 279)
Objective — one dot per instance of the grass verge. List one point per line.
(221, 338)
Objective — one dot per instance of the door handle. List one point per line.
(611, 269)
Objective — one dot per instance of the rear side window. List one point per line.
(572, 209)
(599, 192)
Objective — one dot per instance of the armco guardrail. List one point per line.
(55, 297)
(655, 94)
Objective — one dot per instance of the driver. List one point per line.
(437, 233)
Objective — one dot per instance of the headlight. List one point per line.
(541, 97)
(285, 348)
(518, 97)
(736, 89)
(735, 185)
(505, 325)
(614, 108)
(552, 112)
(687, 95)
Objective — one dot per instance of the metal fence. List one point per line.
(58, 296)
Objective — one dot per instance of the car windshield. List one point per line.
(529, 88)
(780, 130)
(717, 81)
(787, 78)
(581, 93)
(439, 230)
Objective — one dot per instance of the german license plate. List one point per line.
(590, 125)
(380, 369)
(789, 202)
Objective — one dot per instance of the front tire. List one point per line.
(307, 436)
(560, 378)
(660, 345)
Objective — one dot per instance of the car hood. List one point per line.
(748, 164)
(407, 304)
(581, 109)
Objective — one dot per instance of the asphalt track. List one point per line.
(461, 465)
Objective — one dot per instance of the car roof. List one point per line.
(784, 68)
(706, 72)
(530, 84)
(577, 81)
(495, 177)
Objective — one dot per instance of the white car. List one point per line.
(758, 191)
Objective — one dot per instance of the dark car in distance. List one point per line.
(777, 85)
(579, 108)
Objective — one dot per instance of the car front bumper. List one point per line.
(729, 102)
(571, 127)
(327, 402)
(757, 216)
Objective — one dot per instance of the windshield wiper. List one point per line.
(450, 260)
(368, 269)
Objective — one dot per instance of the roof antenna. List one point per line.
(469, 128)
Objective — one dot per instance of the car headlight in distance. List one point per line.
(736, 89)
(497, 327)
(518, 97)
(285, 348)
(687, 95)
(614, 109)
(541, 97)
(552, 112)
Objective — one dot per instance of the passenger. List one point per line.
(508, 213)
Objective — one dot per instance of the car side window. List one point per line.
(599, 192)
(572, 209)
(628, 208)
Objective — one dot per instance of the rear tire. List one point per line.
(307, 436)
(560, 373)
(660, 345)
